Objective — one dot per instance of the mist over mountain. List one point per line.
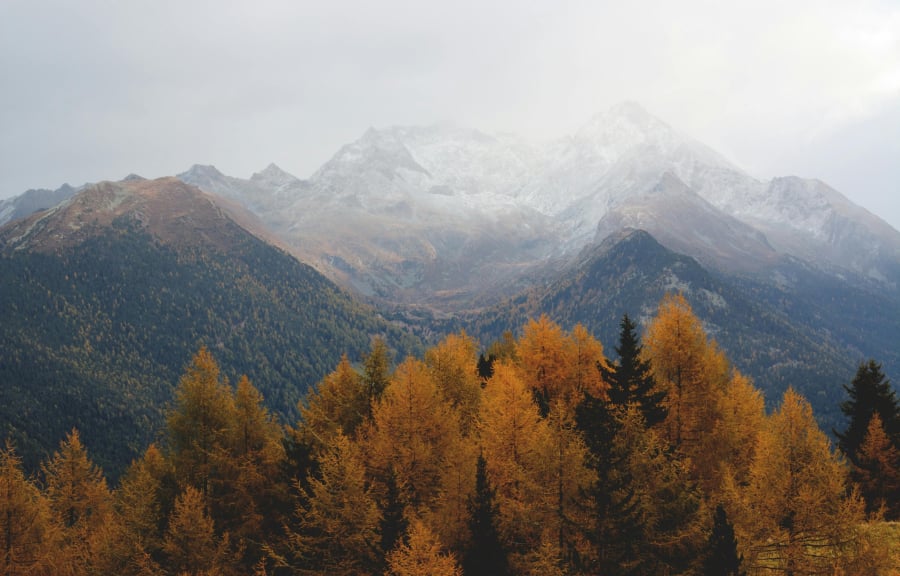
(443, 227)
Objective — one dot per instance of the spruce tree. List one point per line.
(869, 393)
(630, 379)
(486, 555)
(722, 557)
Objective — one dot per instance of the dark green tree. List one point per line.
(486, 555)
(377, 369)
(722, 556)
(630, 379)
(394, 522)
(617, 530)
(869, 393)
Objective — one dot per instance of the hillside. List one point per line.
(779, 336)
(106, 297)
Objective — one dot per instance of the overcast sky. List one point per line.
(95, 89)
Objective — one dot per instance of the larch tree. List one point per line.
(79, 499)
(545, 359)
(449, 516)
(139, 503)
(566, 479)
(797, 515)
(339, 403)
(422, 555)
(199, 426)
(453, 364)
(733, 440)
(28, 533)
(694, 373)
(245, 497)
(513, 440)
(662, 524)
(413, 433)
(877, 471)
(190, 544)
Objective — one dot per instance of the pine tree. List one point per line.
(631, 378)
(869, 393)
(377, 369)
(722, 556)
(337, 516)
(485, 555)
(138, 502)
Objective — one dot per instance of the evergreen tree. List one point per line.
(486, 555)
(870, 392)
(337, 516)
(631, 379)
(393, 520)
(377, 369)
(722, 557)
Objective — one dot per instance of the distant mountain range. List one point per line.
(442, 228)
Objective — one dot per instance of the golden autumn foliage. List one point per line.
(29, 537)
(397, 471)
(422, 555)
(413, 433)
(797, 514)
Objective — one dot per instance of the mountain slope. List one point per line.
(106, 297)
(33, 201)
(630, 272)
(444, 217)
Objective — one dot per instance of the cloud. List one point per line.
(98, 88)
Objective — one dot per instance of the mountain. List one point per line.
(408, 216)
(32, 201)
(449, 218)
(432, 223)
(781, 336)
(106, 297)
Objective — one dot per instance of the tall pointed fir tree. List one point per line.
(722, 556)
(630, 378)
(486, 555)
(870, 392)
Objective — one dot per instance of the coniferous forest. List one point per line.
(541, 454)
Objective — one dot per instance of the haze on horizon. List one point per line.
(98, 89)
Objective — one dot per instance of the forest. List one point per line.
(542, 454)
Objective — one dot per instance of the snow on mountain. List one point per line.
(421, 198)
